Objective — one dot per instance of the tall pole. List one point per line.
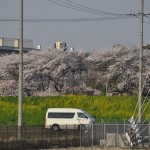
(20, 96)
(141, 63)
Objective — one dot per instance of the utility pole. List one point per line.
(20, 93)
(141, 63)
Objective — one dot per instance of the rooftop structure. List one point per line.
(11, 45)
(60, 46)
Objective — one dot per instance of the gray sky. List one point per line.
(85, 35)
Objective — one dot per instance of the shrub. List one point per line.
(117, 108)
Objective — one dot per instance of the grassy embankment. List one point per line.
(109, 109)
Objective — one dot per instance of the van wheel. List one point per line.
(81, 127)
(55, 127)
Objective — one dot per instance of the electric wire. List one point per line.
(146, 22)
(73, 5)
(82, 8)
(145, 107)
(143, 123)
(138, 17)
(94, 10)
(143, 104)
(143, 139)
(85, 7)
(73, 8)
(66, 20)
(140, 93)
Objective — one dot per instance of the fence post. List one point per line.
(17, 132)
(74, 132)
(102, 127)
(116, 133)
(42, 133)
(58, 137)
(25, 134)
(66, 136)
(7, 134)
(50, 134)
(149, 129)
(104, 131)
(80, 135)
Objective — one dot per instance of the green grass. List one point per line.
(109, 109)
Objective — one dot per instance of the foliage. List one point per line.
(102, 107)
(54, 72)
(147, 47)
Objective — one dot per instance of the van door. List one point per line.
(83, 119)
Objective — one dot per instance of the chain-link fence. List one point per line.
(103, 135)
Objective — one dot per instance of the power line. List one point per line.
(85, 7)
(78, 7)
(94, 10)
(69, 20)
(146, 22)
(71, 7)
(138, 17)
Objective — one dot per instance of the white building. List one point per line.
(11, 45)
(60, 46)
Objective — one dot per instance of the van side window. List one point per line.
(60, 115)
(82, 115)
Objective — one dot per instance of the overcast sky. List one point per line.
(86, 34)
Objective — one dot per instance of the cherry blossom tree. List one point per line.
(51, 71)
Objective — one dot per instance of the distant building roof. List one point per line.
(11, 45)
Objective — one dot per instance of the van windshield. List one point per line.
(87, 114)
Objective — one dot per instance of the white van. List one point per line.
(68, 118)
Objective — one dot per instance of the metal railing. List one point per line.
(40, 137)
